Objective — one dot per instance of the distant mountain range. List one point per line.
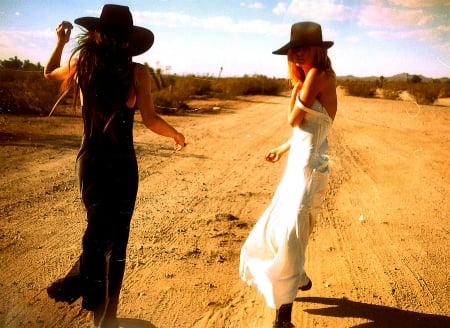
(397, 77)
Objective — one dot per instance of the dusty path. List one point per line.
(379, 256)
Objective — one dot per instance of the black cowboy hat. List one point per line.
(116, 20)
(304, 34)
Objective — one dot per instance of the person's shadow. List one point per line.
(380, 316)
(134, 323)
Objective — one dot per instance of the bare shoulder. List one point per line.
(73, 61)
(140, 70)
(318, 76)
(141, 76)
(325, 85)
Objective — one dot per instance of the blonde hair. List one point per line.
(320, 61)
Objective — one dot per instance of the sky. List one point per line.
(236, 38)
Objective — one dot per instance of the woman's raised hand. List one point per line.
(63, 31)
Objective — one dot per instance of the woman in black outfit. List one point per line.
(111, 87)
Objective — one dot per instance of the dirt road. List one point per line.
(379, 255)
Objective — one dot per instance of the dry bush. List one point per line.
(26, 92)
(424, 93)
(359, 88)
(180, 89)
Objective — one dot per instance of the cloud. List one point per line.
(280, 8)
(169, 19)
(444, 28)
(374, 13)
(317, 10)
(352, 39)
(253, 5)
(418, 35)
(419, 3)
(224, 23)
(389, 17)
(27, 44)
(445, 49)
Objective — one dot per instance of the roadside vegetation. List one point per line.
(414, 87)
(24, 90)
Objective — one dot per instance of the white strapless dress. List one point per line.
(273, 256)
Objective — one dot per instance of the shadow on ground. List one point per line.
(379, 315)
(134, 323)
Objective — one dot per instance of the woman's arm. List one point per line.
(145, 104)
(309, 91)
(275, 154)
(313, 85)
(295, 115)
(53, 69)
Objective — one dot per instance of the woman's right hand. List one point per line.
(63, 31)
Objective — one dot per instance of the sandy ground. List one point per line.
(379, 255)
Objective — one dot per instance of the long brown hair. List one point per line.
(103, 74)
(320, 61)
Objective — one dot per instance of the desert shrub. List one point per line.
(359, 88)
(232, 87)
(26, 92)
(180, 89)
(445, 90)
(23, 89)
(424, 93)
(390, 94)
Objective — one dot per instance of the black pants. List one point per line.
(109, 186)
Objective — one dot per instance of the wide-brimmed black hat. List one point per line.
(304, 34)
(116, 20)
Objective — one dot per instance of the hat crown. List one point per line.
(306, 33)
(116, 19)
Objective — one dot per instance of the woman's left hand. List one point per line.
(180, 142)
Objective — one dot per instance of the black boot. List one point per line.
(306, 287)
(283, 317)
(67, 289)
(93, 278)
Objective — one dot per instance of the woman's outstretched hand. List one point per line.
(274, 155)
(180, 142)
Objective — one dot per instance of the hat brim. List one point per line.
(140, 39)
(284, 49)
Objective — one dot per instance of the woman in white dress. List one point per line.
(273, 256)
